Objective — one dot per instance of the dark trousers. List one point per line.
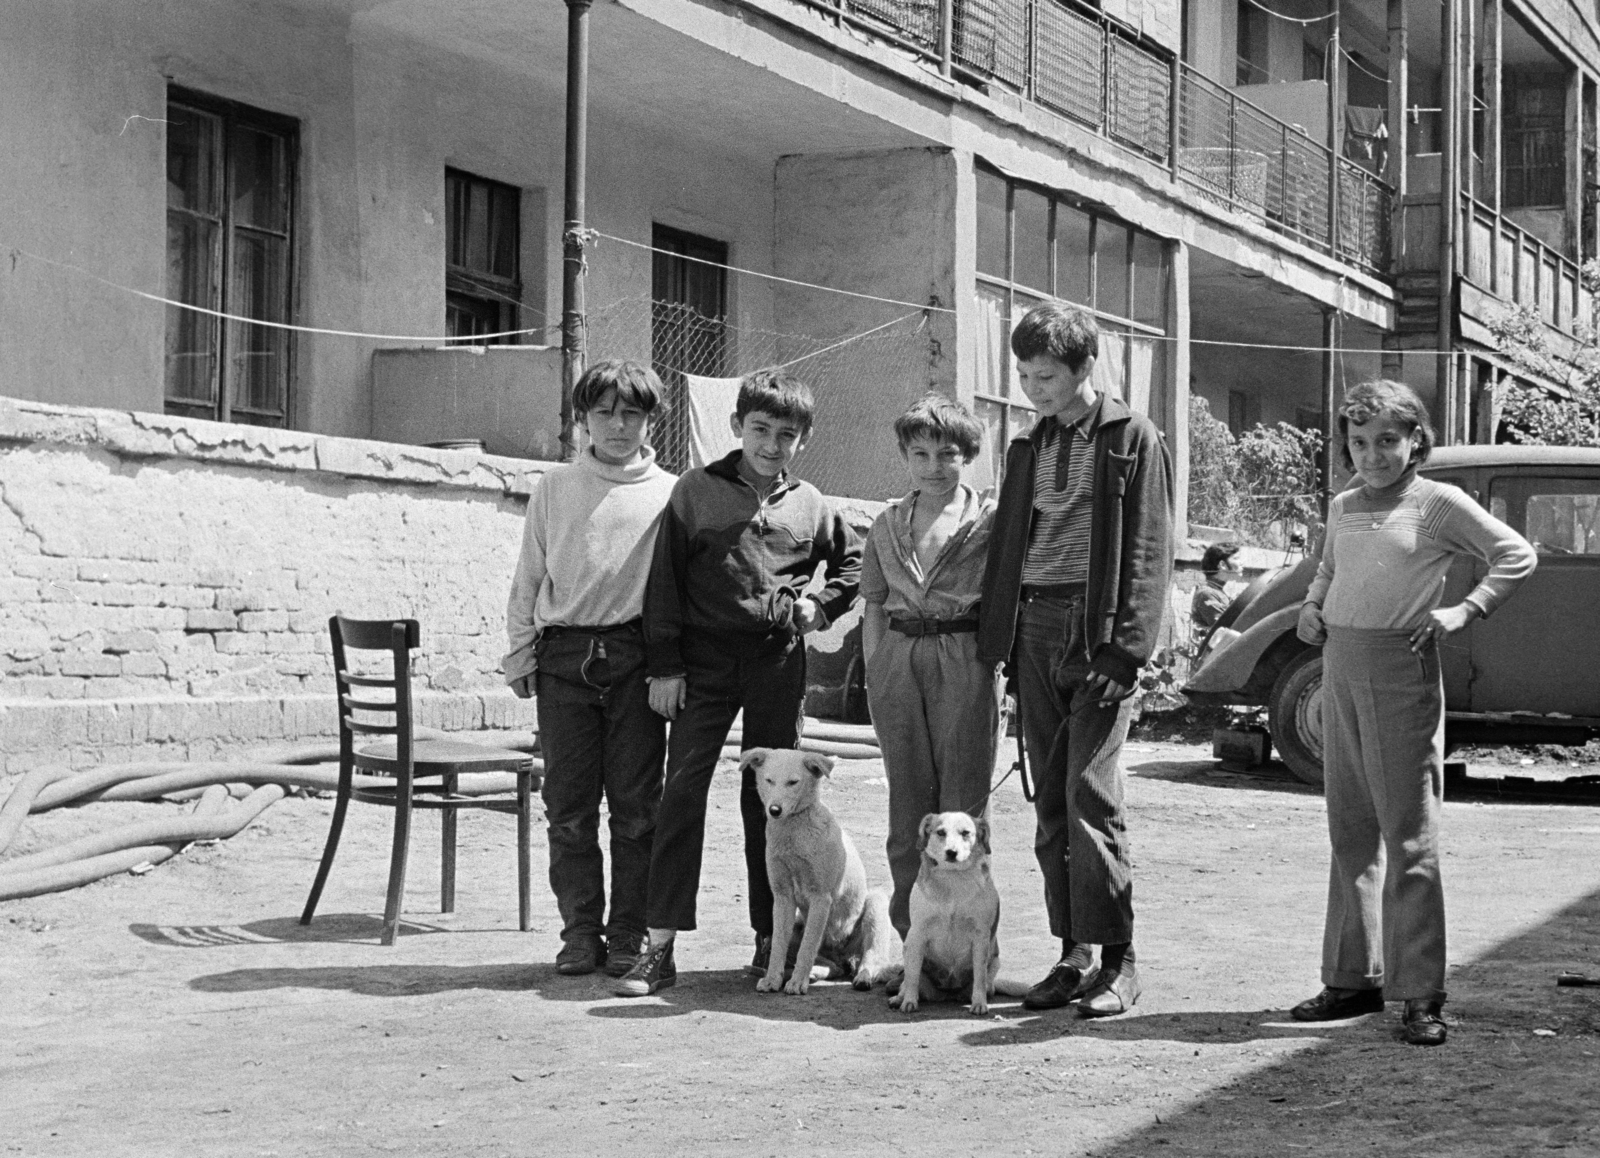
(1074, 745)
(771, 690)
(598, 735)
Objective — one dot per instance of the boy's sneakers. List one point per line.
(654, 970)
(758, 963)
(622, 955)
(581, 955)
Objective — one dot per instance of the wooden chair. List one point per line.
(424, 772)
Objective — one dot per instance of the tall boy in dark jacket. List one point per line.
(725, 620)
(1073, 597)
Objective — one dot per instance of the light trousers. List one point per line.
(936, 710)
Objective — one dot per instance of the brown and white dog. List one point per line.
(953, 946)
(818, 882)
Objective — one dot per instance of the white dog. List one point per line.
(817, 879)
(954, 941)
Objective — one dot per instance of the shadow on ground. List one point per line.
(330, 928)
(1516, 1077)
(381, 980)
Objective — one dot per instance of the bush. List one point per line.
(1262, 484)
(1541, 417)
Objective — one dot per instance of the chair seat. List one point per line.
(441, 757)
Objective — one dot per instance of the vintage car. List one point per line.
(1530, 673)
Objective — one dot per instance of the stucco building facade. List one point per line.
(342, 183)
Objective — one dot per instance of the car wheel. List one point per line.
(1295, 716)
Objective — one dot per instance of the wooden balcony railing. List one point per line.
(1500, 256)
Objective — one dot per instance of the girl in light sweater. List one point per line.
(1374, 606)
(574, 626)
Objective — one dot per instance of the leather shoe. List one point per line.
(580, 955)
(1112, 994)
(1334, 1004)
(1064, 984)
(1422, 1024)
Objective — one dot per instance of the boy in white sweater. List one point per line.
(576, 641)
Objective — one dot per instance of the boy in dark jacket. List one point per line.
(725, 621)
(1074, 593)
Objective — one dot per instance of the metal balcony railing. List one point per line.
(1082, 64)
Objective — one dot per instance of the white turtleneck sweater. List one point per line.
(586, 548)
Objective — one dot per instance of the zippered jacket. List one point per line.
(729, 565)
(1130, 544)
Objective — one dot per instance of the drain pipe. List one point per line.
(1449, 217)
(574, 320)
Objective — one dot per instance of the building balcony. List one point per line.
(1091, 68)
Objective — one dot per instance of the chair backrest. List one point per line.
(362, 714)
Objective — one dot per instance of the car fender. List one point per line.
(1231, 664)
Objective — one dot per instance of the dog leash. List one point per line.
(1019, 765)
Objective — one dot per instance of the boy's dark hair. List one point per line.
(1365, 402)
(777, 393)
(1065, 332)
(635, 384)
(1216, 555)
(943, 420)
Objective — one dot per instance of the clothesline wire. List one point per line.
(845, 342)
(480, 339)
(1292, 19)
(476, 339)
(1348, 55)
(774, 277)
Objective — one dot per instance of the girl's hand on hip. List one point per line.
(1311, 629)
(1442, 624)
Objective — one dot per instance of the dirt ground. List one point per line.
(186, 1012)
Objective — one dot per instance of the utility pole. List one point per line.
(574, 321)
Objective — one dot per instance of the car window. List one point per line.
(1450, 480)
(1559, 516)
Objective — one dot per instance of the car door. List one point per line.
(1540, 652)
(1455, 655)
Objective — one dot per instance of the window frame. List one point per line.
(675, 321)
(1012, 402)
(484, 287)
(222, 406)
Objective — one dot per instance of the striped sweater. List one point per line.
(1386, 555)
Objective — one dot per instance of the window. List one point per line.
(1559, 516)
(1311, 60)
(1238, 412)
(688, 322)
(1034, 245)
(1252, 45)
(230, 248)
(1535, 139)
(482, 264)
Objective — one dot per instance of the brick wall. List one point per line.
(165, 584)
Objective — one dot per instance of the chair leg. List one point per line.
(397, 861)
(447, 852)
(328, 849)
(524, 847)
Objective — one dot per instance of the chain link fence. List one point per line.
(864, 369)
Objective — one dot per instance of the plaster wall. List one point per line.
(1160, 20)
(381, 116)
(508, 396)
(84, 85)
(879, 222)
(1300, 102)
